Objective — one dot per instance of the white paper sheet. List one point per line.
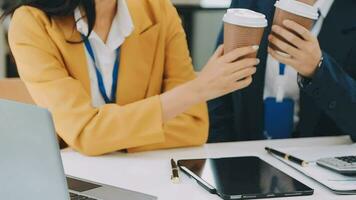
(333, 180)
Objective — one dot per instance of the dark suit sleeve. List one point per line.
(334, 91)
(221, 119)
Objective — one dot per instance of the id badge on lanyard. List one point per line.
(279, 111)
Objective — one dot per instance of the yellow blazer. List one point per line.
(154, 59)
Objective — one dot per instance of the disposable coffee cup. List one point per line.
(297, 11)
(242, 28)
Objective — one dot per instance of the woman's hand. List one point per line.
(224, 74)
(305, 53)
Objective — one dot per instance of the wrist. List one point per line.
(179, 99)
(315, 69)
(305, 81)
(196, 91)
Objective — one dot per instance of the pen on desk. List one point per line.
(175, 175)
(291, 158)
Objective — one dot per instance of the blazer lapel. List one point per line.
(136, 59)
(343, 13)
(73, 53)
(137, 55)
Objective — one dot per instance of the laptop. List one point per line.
(30, 162)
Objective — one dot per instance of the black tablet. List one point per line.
(243, 178)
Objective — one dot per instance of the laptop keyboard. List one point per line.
(79, 197)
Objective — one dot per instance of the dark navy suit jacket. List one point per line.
(328, 103)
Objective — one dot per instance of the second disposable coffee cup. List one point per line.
(296, 11)
(242, 28)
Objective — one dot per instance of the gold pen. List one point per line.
(175, 174)
(291, 158)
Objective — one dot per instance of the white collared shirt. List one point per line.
(105, 53)
(290, 86)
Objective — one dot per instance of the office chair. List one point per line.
(14, 90)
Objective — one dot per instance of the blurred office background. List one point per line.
(201, 21)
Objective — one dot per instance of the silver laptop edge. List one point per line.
(30, 161)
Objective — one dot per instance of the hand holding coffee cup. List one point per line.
(296, 11)
(243, 30)
(226, 72)
(232, 65)
(291, 41)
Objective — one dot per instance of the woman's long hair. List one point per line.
(58, 8)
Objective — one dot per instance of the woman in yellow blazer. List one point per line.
(160, 103)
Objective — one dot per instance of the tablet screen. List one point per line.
(247, 176)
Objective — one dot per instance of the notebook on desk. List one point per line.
(338, 183)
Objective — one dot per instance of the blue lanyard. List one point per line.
(282, 69)
(112, 98)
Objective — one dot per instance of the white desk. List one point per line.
(150, 172)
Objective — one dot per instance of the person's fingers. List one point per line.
(242, 84)
(242, 64)
(289, 36)
(218, 52)
(280, 58)
(289, 49)
(301, 30)
(239, 53)
(242, 74)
